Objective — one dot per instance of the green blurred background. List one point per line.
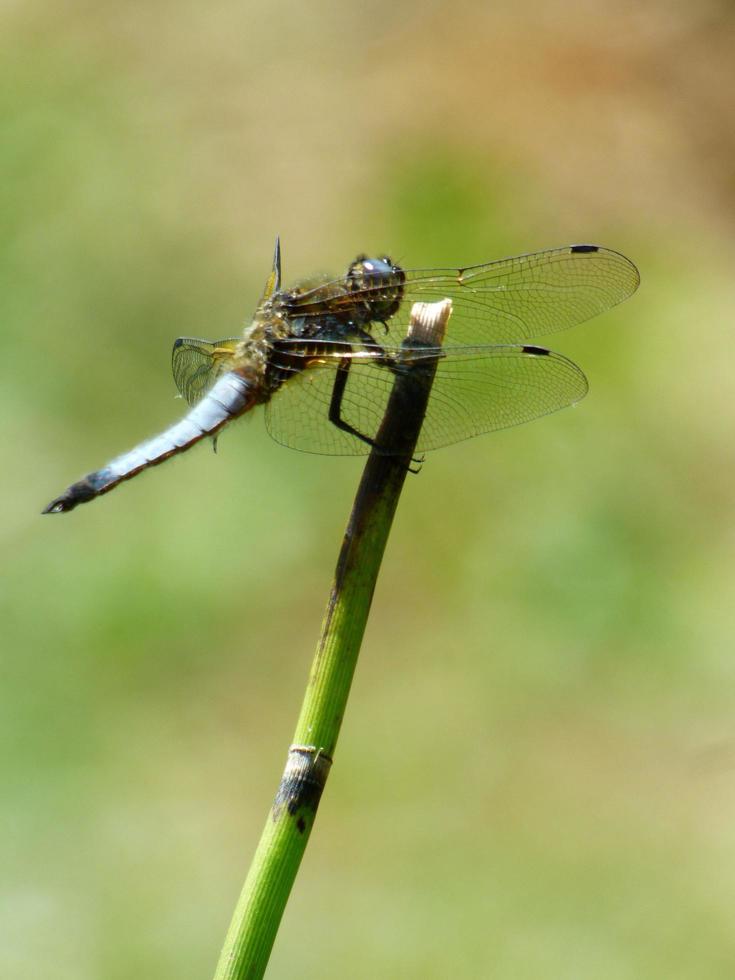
(536, 776)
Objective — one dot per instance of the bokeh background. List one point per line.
(536, 775)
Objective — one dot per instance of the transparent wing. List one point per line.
(476, 390)
(508, 301)
(197, 364)
(527, 296)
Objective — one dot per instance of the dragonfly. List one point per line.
(322, 356)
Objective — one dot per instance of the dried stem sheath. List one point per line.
(276, 861)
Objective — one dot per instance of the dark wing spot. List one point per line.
(530, 349)
(301, 825)
(585, 248)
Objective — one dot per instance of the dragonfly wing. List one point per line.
(475, 390)
(528, 296)
(478, 390)
(197, 364)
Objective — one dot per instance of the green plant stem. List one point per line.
(276, 861)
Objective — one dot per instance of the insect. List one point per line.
(322, 356)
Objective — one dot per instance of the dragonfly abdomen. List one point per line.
(232, 395)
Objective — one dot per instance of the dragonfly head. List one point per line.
(381, 283)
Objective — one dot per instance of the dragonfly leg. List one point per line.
(335, 411)
(335, 405)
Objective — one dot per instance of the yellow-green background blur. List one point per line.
(536, 775)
